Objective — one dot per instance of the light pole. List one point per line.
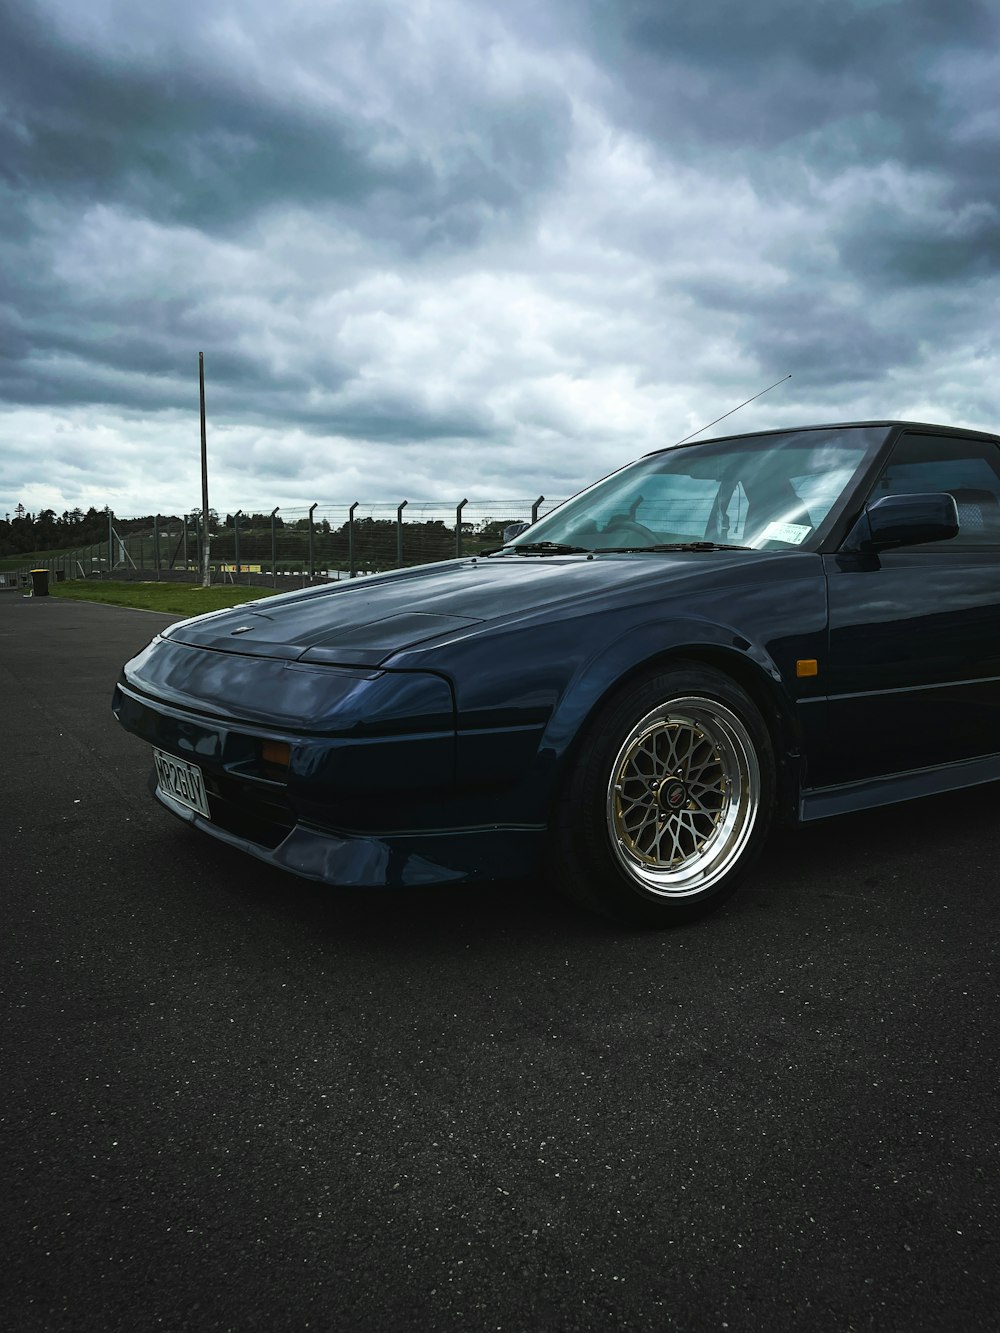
(206, 577)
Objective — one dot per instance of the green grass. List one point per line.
(181, 599)
(29, 559)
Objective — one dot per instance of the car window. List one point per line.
(770, 491)
(967, 469)
(677, 504)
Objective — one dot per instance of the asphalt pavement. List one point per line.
(235, 1100)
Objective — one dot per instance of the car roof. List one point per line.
(961, 431)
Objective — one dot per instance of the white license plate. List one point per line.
(182, 781)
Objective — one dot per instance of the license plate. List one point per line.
(182, 781)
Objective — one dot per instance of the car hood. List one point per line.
(365, 621)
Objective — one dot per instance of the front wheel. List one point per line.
(670, 799)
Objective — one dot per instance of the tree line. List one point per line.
(46, 530)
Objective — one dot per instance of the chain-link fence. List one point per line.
(291, 548)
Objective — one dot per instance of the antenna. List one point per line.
(731, 411)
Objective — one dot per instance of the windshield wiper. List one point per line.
(564, 548)
(551, 548)
(671, 546)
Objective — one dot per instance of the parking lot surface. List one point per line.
(235, 1100)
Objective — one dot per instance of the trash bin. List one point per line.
(60, 576)
(40, 582)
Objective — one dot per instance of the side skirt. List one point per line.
(822, 802)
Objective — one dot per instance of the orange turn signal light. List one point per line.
(807, 666)
(276, 752)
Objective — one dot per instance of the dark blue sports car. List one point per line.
(785, 625)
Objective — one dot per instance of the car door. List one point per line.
(912, 676)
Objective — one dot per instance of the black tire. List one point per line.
(669, 801)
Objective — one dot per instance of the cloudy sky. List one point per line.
(446, 248)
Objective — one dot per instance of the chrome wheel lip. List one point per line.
(701, 743)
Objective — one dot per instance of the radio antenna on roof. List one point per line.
(731, 411)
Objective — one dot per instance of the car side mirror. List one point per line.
(904, 520)
(513, 530)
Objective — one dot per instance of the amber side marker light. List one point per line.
(807, 666)
(276, 752)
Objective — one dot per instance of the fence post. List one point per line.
(351, 566)
(156, 545)
(236, 543)
(185, 522)
(111, 539)
(312, 548)
(274, 548)
(399, 534)
(534, 509)
(458, 527)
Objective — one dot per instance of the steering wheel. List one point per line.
(622, 523)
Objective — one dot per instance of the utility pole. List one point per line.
(206, 577)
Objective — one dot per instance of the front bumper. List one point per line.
(370, 795)
(358, 860)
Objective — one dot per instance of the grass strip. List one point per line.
(179, 599)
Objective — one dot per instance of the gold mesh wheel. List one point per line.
(683, 796)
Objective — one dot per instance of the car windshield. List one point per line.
(768, 492)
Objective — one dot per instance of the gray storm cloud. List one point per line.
(479, 249)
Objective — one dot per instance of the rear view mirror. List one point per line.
(905, 520)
